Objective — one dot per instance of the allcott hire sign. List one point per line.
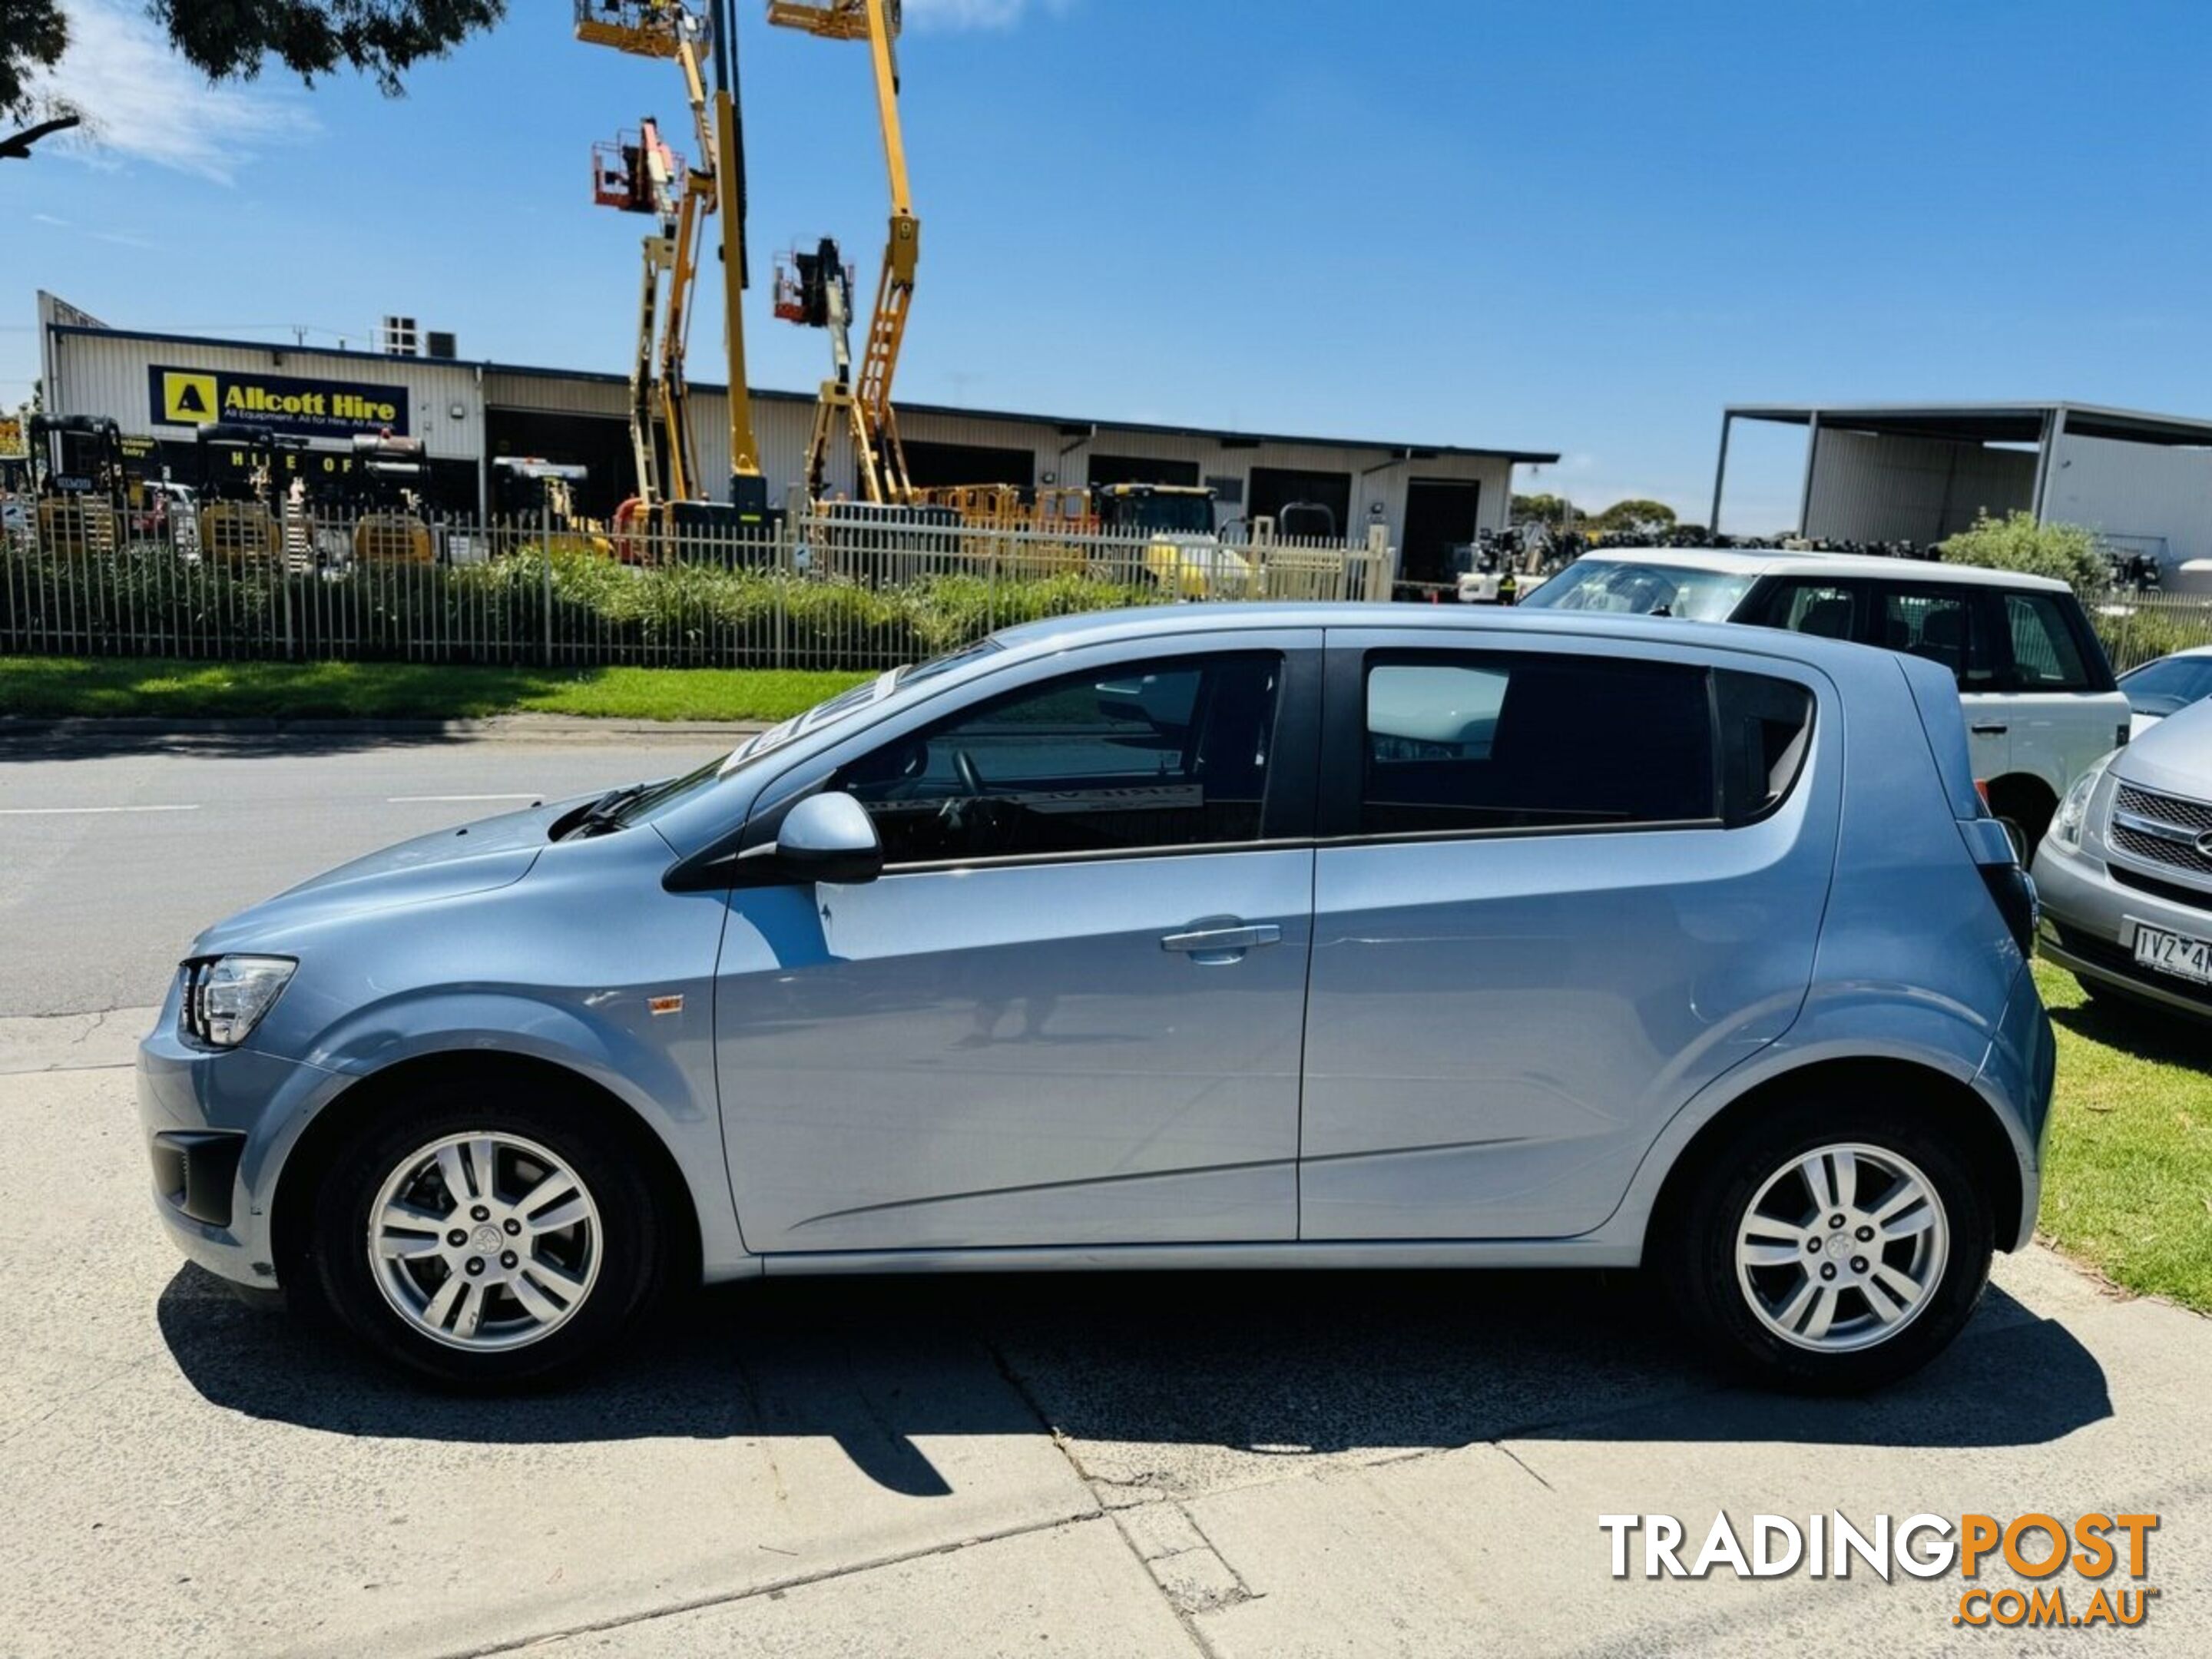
(280, 403)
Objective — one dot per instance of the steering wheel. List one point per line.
(963, 765)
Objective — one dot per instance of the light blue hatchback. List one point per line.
(1198, 936)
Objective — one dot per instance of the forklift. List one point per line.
(1183, 553)
(393, 476)
(239, 517)
(76, 472)
(1153, 509)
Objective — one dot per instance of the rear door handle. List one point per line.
(1990, 730)
(1221, 944)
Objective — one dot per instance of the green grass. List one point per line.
(2127, 1188)
(56, 687)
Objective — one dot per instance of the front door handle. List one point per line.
(1213, 946)
(1990, 729)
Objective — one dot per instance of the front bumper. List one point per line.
(217, 1125)
(2088, 929)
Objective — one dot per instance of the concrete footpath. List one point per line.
(1228, 1465)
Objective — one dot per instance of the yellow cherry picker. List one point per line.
(817, 294)
(640, 173)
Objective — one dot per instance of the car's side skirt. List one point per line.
(1148, 1258)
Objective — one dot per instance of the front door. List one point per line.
(1558, 892)
(1070, 1011)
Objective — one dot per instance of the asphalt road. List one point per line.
(110, 862)
(1215, 1465)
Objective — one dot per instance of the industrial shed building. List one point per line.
(1912, 472)
(1429, 497)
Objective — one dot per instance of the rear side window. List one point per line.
(1458, 742)
(1945, 625)
(2045, 657)
(1828, 609)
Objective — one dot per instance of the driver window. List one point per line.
(1171, 753)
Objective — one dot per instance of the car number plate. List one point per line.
(2174, 953)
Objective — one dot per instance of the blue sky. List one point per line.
(1572, 226)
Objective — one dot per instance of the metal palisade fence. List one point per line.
(2141, 628)
(844, 589)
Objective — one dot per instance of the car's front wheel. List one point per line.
(1832, 1247)
(485, 1244)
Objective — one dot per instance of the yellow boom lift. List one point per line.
(641, 174)
(864, 408)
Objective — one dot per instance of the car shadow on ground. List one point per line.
(2146, 1033)
(1276, 1364)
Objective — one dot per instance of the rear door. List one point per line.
(1958, 626)
(1559, 891)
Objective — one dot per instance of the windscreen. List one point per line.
(1624, 587)
(2170, 686)
(1176, 515)
(830, 712)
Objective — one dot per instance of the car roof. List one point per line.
(1056, 634)
(1787, 561)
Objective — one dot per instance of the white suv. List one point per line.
(2040, 702)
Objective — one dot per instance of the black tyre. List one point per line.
(485, 1236)
(2025, 809)
(1830, 1248)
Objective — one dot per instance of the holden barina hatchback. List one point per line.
(1209, 935)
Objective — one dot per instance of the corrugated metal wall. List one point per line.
(555, 394)
(782, 424)
(2131, 491)
(1872, 489)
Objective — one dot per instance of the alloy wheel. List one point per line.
(1842, 1247)
(484, 1241)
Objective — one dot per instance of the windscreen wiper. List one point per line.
(602, 813)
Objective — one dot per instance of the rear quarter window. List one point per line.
(1766, 731)
(2054, 648)
(2045, 654)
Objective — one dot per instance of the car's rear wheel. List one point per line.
(1831, 1248)
(484, 1243)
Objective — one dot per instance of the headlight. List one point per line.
(224, 997)
(2066, 823)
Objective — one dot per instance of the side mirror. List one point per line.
(824, 838)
